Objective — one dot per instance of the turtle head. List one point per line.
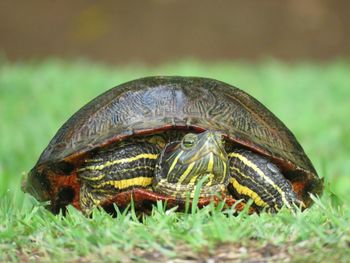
(184, 163)
(36, 184)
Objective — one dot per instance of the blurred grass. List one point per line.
(312, 100)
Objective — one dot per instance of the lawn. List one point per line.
(313, 100)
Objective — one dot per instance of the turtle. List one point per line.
(162, 137)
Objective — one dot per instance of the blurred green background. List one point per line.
(292, 55)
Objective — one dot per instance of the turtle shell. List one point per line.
(154, 104)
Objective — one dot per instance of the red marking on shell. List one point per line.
(59, 182)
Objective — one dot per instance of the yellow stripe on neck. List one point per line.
(249, 163)
(126, 183)
(241, 189)
(123, 160)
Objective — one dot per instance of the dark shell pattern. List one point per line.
(152, 104)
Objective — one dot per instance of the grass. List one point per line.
(313, 100)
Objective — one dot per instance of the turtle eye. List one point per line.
(189, 140)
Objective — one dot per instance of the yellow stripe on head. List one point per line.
(210, 180)
(211, 162)
(175, 162)
(194, 179)
(225, 171)
(186, 173)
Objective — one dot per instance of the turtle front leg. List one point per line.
(114, 170)
(255, 177)
(90, 198)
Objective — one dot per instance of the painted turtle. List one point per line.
(155, 138)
